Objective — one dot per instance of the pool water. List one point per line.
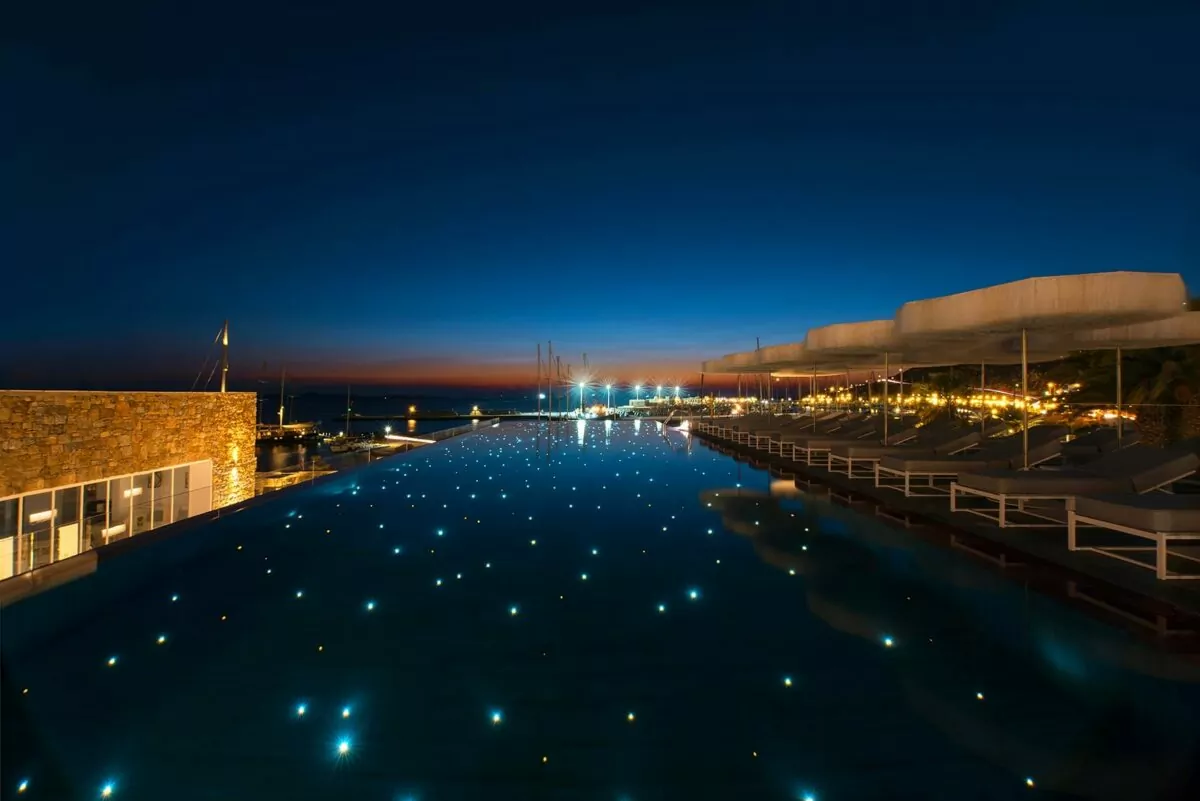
(589, 610)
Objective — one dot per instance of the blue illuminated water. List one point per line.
(439, 599)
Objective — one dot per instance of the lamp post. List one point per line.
(608, 404)
(387, 430)
(581, 386)
(637, 392)
(677, 394)
(658, 393)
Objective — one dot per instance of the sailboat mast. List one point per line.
(347, 410)
(224, 354)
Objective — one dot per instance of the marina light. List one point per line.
(345, 712)
(301, 709)
(387, 429)
(497, 717)
(343, 746)
(23, 786)
(108, 789)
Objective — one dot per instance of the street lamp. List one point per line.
(387, 430)
(581, 386)
(677, 393)
(658, 394)
(608, 405)
(637, 392)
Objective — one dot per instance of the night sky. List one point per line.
(418, 193)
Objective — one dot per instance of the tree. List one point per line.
(1162, 385)
(947, 384)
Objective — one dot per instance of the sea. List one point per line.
(328, 410)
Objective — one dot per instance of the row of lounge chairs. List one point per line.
(1094, 480)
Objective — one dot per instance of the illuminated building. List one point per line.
(83, 469)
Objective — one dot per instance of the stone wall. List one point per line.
(48, 439)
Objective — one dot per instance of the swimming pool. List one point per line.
(589, 610)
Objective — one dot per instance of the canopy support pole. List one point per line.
(1025, 398)
(982, 398)
(886, 377)
(1120, 425)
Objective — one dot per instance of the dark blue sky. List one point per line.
(407, 193)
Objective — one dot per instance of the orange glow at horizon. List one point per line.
(497, 374)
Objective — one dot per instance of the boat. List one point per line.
(342, 443)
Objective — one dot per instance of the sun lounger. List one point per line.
(1096, 443)
(942, 437)
(744, 434)
(1157, 517)
(805, 445)
(1006, 453)
(761, 438)
(1037, 493)
(726, 426)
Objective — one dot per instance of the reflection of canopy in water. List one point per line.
(775, 533)
(852, 589)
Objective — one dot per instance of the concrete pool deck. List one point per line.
(1109, 587)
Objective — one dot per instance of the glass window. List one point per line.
(141, 498)
(120, 494)
(95, 513)
(67, 532)
(9, 524)
(181, 491)
(66, 506)
(33, 549)
(9, 529)
(162, 498)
